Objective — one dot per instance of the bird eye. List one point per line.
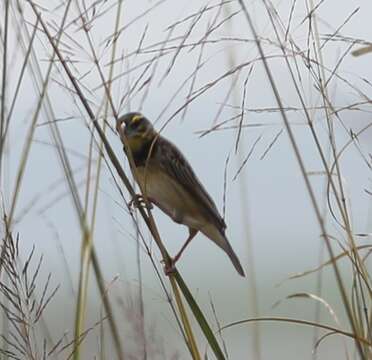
(134, 124)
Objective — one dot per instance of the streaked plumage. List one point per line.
(170, 183)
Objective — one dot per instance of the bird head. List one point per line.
(136, 129)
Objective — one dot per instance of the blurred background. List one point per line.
(202, 54)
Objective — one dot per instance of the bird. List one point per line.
(168, 181)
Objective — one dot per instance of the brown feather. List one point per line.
(176, 165)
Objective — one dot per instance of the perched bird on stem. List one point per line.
(168, 181)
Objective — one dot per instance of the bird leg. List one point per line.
(171, 267)
(139, 201)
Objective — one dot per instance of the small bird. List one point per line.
(168, 181)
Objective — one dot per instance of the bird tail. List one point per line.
(220, 239)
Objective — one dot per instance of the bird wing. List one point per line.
(177, 167)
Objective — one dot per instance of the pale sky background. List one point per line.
(285, 236)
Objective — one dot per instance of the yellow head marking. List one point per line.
(136, 118)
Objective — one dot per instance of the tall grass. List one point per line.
(83, 66)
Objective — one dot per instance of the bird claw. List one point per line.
(139, 201)
(169, 269)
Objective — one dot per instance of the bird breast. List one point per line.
(170, 197)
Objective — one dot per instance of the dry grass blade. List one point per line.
(24, 306)
(299, 322)
(317, 343)
(290, 19)
(340, 27)
(192, 85)
(3, 125)
(242, 107)
(187, 34)
(320, 300)
(276, 137)
(312, 11)
(247, 157)
(219, 327)
(225, 187)
(320, 267)
(362, 51)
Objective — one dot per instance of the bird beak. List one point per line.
(120, 127)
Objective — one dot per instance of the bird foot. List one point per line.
(139, 201)
(170, 269)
